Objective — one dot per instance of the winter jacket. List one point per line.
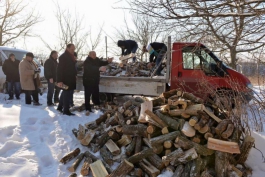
(128, 46)
(27, 75)
(91, 71)
(50, 67)
(66, 70)
(11, 70)
(157, 47)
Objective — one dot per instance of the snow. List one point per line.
(34, 138)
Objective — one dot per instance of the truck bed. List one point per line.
(130, 85)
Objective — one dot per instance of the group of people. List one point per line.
(25, 74)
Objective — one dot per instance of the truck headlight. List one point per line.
(250, 86)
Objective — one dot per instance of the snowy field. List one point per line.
(34, 138)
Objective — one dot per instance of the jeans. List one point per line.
(159, 59)
(134, 51)
(94, 91)
(33, 93)
(52, 94)
(10, 86)
(71, 98)
(65, 100)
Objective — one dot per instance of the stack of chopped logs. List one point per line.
(137, 69)
(175, 132)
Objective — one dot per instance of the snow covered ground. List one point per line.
(34, 139)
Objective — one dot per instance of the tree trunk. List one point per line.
(70, 156)
(122, 170)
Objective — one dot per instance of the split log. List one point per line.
(140, 155)
(179, 170)
(103, 117)
(159, 101)
(122, 170)
(174, 124)
(114, 135)
(170, 93)
(162, 138)
(127, 104)
(228, 132)
(138, 145)
(113, 148)
(156, 118)
(155, 160)
(131, 147)
(103, 139)
(88, 137)
(195, 170)
(70, 156)
(76, 163)
(223, 146)
(149, 168)
(81, 132)
(182, 104)
(98, 169)
(164, 130)
(208, 135)
(187, 144)
(94, 158)
(236, 135)
(187, 168)
(191, 97)
(147, 105)
(91, 125)
(211, 114)
(151, 129)
(120, 118)
(185, 116)
(137, 172)
(172, 156)
(168, 144)
(73, 175)
(85, 168)
(204, 129)
(191, 110)
(237, 171)
(196, 139)
(111, 121)
(222, 126)
(136, 130)
(188, 130)
(119, 158)
(245, 149)
(221, 164)
(124, 141)
(193, 120)
(106, 155)
(157, 149)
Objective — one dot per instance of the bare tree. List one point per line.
(236, 25)
(14, 22)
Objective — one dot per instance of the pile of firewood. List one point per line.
(177, 132)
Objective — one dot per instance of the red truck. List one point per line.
(190, 66)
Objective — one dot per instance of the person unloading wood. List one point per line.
(128, 47)
(157, 51)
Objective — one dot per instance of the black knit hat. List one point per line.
(121, 43)
(29, 54)
(11, 54)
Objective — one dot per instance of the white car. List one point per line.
(19, 54)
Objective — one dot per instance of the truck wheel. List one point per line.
(103, 97)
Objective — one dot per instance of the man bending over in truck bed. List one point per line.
(129, 45)
(157, 51)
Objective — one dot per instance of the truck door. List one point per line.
(196, 74)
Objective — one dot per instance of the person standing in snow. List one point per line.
(50, 67)
(11, 70)
(72, 94)
(92, 68)
(127, 47)
(66, 74)
(30, 79)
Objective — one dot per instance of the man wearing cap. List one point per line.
(66, 74)
(10, 69)
(29, 79)
(50, 67)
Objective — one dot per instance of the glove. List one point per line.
(37, 71)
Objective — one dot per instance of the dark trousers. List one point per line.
(33, 93)
(71, 98)
(52, 93)
(10, 87)
(159, 59)
(94, 91)
(65, 100)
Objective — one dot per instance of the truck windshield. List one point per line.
(18, 54)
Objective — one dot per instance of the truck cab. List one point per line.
(196, 69)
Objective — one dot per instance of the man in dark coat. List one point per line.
(127, 47)
(11, 70)
(66, 74)
(50, 67)
(157, 51)
(92, 67)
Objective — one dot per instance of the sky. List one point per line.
(95, 13)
